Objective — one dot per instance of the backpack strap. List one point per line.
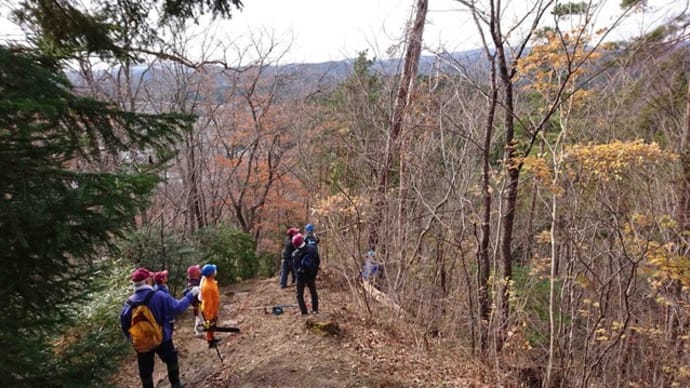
(146, 300)
(148, 297)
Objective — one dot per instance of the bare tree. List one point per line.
(394, 139)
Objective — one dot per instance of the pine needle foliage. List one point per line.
(109, 28)
(56, 219)
(70, 182)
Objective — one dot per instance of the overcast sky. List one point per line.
(332, 30)
(323, 30)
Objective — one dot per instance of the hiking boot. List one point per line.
(174, 375)
(213, 343)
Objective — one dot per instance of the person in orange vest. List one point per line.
(210, 302)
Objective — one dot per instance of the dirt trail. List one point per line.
(282, 351)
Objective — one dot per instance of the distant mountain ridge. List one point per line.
(302, 79)
(428, 63)
(326, 75)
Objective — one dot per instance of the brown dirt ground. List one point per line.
(282, 350)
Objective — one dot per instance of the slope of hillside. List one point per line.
(286, 351)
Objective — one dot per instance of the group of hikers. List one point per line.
(148, 316)
(301, 262)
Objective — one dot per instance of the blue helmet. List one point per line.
(208, 269)
(309, 228)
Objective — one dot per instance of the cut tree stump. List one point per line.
(322, 328)
(382, 298)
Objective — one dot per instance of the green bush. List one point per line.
(87, 352)
(146, 248)
(228, 247)
(267, 265)
(231, 250)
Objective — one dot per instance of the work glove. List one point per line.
(195, 290)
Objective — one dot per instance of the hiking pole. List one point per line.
(220, 356)
(211, 326)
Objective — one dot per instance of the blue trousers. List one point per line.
(285, 268)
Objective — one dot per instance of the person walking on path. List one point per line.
(306, 264)
(161, 280)
(194, 280)
(163, 308)
(210, 302)
(286, 262)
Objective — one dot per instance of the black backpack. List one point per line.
(306, 260)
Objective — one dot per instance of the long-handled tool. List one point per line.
(209, 325)
(221, 329)
(275, 309)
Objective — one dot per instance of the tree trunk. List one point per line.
(683, 212)
(402, 125)
(195, 209)
(512, 175)
(483, 260)
(683, 215)
(393, 142)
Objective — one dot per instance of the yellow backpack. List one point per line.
(145, 332)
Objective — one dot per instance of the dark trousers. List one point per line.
(285, 268)
(310, 282)
(168, 354)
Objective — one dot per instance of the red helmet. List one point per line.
(297, 240)
(291, 231)
(140, 274)
(194, 272)
(160, 277)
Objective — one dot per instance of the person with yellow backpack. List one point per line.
(146, 321)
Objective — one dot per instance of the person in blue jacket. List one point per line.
(161, 280)
(164, 308)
